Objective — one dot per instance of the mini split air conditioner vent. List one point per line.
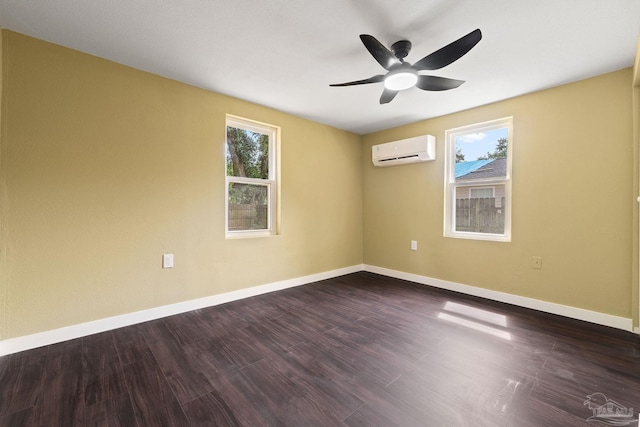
(411, 150)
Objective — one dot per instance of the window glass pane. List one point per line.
(482, 192)
(480, 214)
(481, 155)
(248, 206)
(247, 153)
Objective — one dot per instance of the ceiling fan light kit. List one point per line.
(401, 79)
(402, 75)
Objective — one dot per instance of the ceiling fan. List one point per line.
(402, 75)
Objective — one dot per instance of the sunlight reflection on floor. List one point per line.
(482, 319)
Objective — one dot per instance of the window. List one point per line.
(481, 192)
(251, 178)
(478, 181)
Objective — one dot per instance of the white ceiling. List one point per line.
(285, 53)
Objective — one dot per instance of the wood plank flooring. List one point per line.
(358, 350)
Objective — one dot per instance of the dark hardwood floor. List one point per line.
(358, 350)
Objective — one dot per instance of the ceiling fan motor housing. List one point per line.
(401, 49)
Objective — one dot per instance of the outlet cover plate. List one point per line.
(167, 261)
(536, 262)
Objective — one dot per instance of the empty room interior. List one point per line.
(196, 228)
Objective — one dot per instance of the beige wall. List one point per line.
(572, 200)
(3, 247)
(105, 168)
(636, 184)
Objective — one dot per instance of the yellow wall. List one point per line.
(572, 200)
(105, 168)
(3, 248)
(636, 185)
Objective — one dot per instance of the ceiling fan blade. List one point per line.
(378, 51)
(450, 53)
(387, 96)
(374, 79)
(437, 83)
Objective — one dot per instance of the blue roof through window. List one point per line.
(464, 168)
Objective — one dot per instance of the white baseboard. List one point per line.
(14, 345)
(547, 307)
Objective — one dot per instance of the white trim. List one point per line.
(450, 183)
(27, 342)
(272, 184)
(535, 304)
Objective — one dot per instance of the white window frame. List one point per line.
(271, 183)
(451, 185)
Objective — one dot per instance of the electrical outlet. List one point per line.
(536, 262)
(414, 245)
(167, 261)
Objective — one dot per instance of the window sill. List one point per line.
(479, 236)
(249, 234)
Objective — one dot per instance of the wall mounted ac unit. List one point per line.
(411, 150)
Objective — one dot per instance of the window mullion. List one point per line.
(250, 207)
(478, 177)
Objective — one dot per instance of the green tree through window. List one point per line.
(247, 153)
(250, 177)
(499, 153)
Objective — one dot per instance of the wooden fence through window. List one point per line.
(480, 215)
(247, 216)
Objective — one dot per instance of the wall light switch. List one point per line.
(414, 245)
(167, 261)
